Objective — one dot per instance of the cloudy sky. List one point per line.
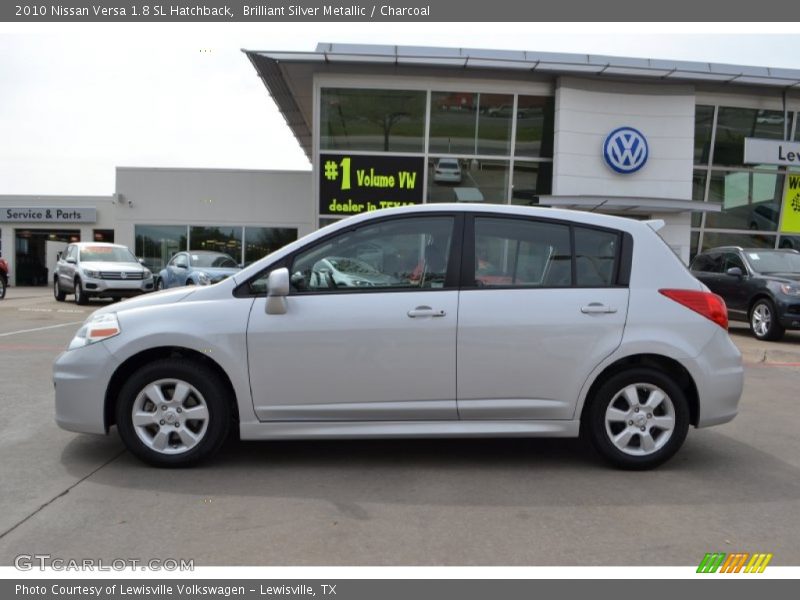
(78, 100)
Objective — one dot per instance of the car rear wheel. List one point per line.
(80, 296)
(638, 419)
(2, 287)
(57, 292)
(173, 413)
(764, 321)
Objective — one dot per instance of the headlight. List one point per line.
(790, 289)
(96, 329)
(91, 274)
(203, 278)
(147, 274)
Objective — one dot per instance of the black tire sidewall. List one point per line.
(3, 286)
(80, 293)
(57, 292)
(594, 418)
(207, 383)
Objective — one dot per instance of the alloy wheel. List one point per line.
(640, 419)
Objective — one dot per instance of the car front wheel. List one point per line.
(764, 321)
(57, 292)
(80, 295)
(2, 288)
(638, 419)
(173, 413)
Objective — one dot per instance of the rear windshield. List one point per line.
(106, 254)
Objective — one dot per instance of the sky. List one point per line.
(78, 100)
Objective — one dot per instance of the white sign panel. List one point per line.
(47, 214)
(771, 152)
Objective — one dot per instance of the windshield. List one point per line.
(214, 261)
(772, 261)
(107, 254)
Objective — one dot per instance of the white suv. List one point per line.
(490, 321)
(95, 269)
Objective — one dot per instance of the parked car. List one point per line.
(96, 269)
(3, 277)
(447, 170)
(760, 286)
(198, 267)
(596, 329)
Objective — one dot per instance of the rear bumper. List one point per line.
(719, 376)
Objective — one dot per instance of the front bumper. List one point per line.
(788, 312)
(81, 378)
(117, 288)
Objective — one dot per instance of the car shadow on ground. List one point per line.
(711, 468)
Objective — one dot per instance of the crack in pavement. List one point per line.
(62, 494)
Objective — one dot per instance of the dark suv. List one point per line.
(760, 286)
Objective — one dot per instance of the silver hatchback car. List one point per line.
(490, 321)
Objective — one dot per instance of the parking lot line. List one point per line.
(39, 328)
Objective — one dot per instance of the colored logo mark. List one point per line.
(625, 150)
(738, 562)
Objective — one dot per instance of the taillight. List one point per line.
(709, 305)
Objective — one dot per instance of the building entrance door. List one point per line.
(33, 265)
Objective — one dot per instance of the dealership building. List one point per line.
(710, 149)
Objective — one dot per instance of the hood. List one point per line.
(152, 299)
(128, 267)
(216, 271)
(793, 277)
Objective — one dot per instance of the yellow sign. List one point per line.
(791, 206)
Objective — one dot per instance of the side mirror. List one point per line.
(72, 261)
(141, 261)
(734, 272)
(182, 265)
(277, 290)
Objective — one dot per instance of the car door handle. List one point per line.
(425, 311)
(596, 308)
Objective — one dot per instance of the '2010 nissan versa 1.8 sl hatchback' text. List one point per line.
(485, 321)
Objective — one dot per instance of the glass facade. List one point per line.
(750, 195)
(157, 244)
(480, 146)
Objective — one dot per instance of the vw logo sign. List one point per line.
(625, 150)
(123, 275)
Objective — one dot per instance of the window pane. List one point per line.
(461, 179)
(156, 244)
(735, 124)
(453, 122)
(595, 257)
(218, 239)
(789, 241)
(535, 117)
(712, 239)
(698, 194)
(531, 179)
(260, 241)
(516, 252)
(383, 120)
(403, 253)
(749, 200)
(703, 120)
(496, 112)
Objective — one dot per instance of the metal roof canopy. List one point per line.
(636, 205)
(274, 68)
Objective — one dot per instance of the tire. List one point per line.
(189, 282)
(3, 286)
(80, 296)
(174, 440)
(764, 321)
(620, 426)
(58, 293)
(160, 285)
